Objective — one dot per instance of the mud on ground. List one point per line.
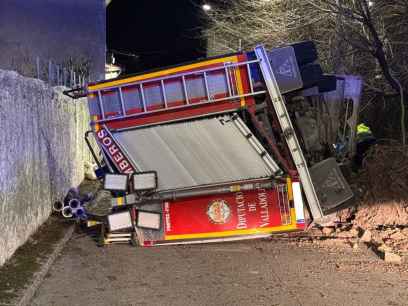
(19, 271)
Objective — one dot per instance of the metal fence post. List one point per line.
(37, 60)
(71, 77)
(50, 72)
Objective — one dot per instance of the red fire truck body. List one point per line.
(219, 141)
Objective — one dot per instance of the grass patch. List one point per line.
(19, 271)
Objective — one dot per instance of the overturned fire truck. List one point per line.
(234, 147)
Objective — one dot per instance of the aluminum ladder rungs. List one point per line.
(288, 131)
(228, 70)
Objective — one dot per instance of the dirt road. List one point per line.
(245, 273)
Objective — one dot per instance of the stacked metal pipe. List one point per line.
(72, 205)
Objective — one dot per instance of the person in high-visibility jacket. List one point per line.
(363, 131)
(365, 139)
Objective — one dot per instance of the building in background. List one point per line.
(68, 32)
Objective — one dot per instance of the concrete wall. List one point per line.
(53, 30)
(42, 154)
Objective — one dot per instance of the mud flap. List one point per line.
(331, 187)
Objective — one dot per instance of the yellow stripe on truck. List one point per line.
(290, 189)
(240, 87)
(264, 230)
(121, 201)
(97, 125)
(161, 73)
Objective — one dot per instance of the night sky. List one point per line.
(160, 32)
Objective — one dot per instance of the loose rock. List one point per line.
(405, 232)
(392, 258)
(384, 249)
(376, 238)
(348, 234)
(327, 231)
(366, 236)
(355, 232)
(315, 231)
(397, 236)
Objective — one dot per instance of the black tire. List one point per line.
(327, 83)
(311, 74)
(306, 52)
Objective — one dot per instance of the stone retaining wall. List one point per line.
(42, 154)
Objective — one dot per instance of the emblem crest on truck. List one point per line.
(219, 212)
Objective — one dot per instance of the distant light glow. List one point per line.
(206, 7)
(370, 3)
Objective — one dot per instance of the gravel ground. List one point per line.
(261, 272)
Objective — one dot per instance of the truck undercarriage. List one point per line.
(234, 147)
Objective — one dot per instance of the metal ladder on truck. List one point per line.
(187, 93)
(289, 132)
